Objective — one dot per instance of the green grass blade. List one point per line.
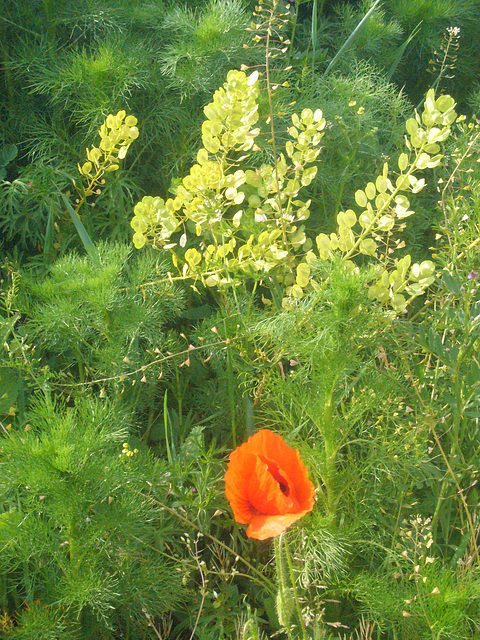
(351, 38)
(82, 232)
(48, 242)
(314, 31)
(166, 425)
(401, 51)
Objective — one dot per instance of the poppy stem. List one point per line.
(284, 591)
(294, 589)
(284, 598)
(331, 449)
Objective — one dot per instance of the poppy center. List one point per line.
(275, 472)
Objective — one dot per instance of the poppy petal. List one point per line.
(267, 485)
(240, 468)
(272, 446)
(263, 527)
(265, 494)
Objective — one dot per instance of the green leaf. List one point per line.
(303, 275)
(444, 103)
(381, 184)
(7, 153)
(411, 126)
(193, 257)
(400, 52)
(361, 198)
(370, 191)
(403, 161)
(82, 232)
(451, 283)
(48, 242)
(351, 38)
(368, 247)
(10, 383)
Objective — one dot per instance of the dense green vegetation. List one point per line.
(221, 216)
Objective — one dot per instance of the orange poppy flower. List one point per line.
(267, 485)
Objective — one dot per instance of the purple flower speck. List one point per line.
(473, 275)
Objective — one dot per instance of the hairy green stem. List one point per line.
(283, 588)
(294, 589)
(272, 127)
(330, 449)
(344, 176)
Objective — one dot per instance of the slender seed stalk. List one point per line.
(272, 127)
(265, 582)
(231, 394)
(366, 232)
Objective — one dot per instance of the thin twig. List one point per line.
(460, 491)
(144, 367)
(203, 593)
(260, 577)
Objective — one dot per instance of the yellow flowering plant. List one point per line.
(116, 135)
(226, 223)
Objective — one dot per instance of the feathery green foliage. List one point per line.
(78, 532)
(279, 293)
(99, 324)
